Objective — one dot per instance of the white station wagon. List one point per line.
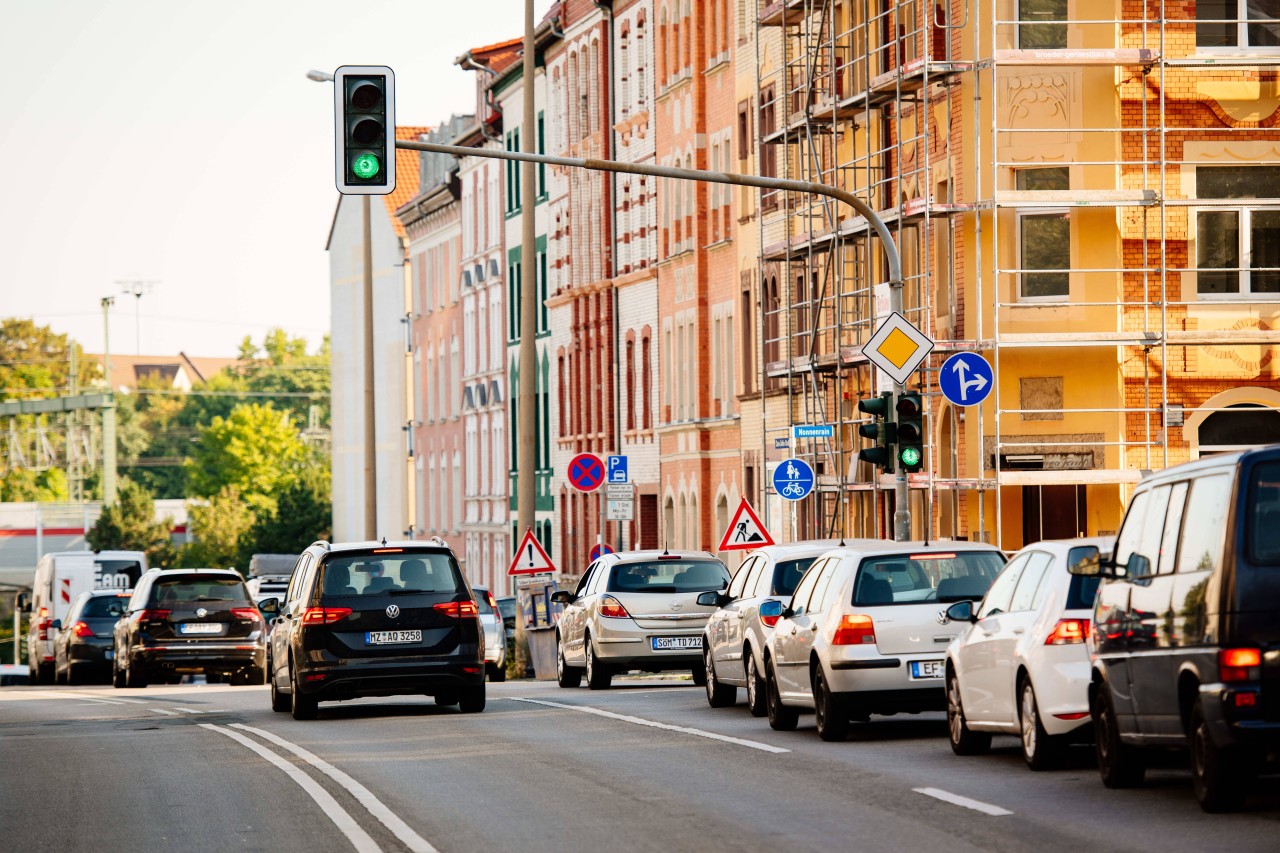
(861, 635)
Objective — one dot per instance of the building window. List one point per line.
(1237, 24)
(768, 153)
(513, 173)
(542, 149)
(1238, 248)
(748, 337)
(631, 385)
(1035, 30)
(1044, 238)
(646, 382)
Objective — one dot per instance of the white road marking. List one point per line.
(166, 713)
(376, 807)
(188, 710)
(341, 817)
(957, 800)
(114, 700)
(97, 702)
(753, 744)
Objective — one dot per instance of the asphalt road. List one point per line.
(645, 766)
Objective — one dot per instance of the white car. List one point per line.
(861, 634)
(1021, 665)
(495, 635)
(734, 641)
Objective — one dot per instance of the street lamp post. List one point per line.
(137, 289)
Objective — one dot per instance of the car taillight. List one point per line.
(248, 614)
(612, 608)
(854, 630)
(81, 629)
(492, 602)
(43, 625)
(1240, 664)
(149, 615)
(324, 615)
(457, 609)
(1068, 632)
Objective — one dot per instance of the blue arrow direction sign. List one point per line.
(813, 431)
(966, 379)
(793, 479)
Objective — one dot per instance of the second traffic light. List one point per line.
(882, 430)
(910, 439)
(365, 129)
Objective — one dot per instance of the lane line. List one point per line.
(163, 711)
(341, 817)
(96, 701)
(115, 700)
(366, 798)
(188, 710)
(654, 724)
(957, 800)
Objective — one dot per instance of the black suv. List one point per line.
(1185, 638)
(377, 620)
(188, 621)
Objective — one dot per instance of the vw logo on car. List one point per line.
(393, 611)
(201, 612)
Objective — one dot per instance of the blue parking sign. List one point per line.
(617, 467)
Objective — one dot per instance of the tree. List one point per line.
(35, 361)
(219, 527)
(256, 448)
(25, 484)
(303, 514)
(130, 524)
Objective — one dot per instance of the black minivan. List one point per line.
(1185, 640)
(377, 620)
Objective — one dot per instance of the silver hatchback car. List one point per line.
(636, 610)
(733, 643)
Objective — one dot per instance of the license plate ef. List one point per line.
(921, 669)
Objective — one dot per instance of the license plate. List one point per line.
(666, 643)
(391, 638)
(927, 669)
(200, 628)
(110, 654)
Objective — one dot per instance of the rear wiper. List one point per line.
(207, 598)
(418, 591)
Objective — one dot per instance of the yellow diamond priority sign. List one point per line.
(897, 347)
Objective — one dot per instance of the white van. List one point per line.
(60, 577)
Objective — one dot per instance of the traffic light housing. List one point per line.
(910, 444)
(365, 129)
(882, 430)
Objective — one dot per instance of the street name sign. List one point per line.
(799, 431)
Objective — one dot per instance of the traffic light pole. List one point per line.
(902, 514)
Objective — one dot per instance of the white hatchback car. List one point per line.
(861, 634)
(1020, 665)
(733, 644)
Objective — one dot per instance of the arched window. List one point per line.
(457, 491)
(646, 379)
(663, 46)
(669, 523)
(571, 106)
(1241, 426)
(683, 522)
(722, 512)
(624, 70)
(455, 379)
(686, 25)
(695, 536)
(431, 493)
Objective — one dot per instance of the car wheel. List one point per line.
(566, 676)
(135, 674)
(1221, 776)
(829, 711)
(71, 677)
(117, 674)
(781, 718)
(279, 701)
(718, 695)
(1121, 766)
(497, 673)
(598, 675)
(59, 677)
(472, 700)
(302, 707)
(964, 740)
(1041, 750)
(45, 671)
(755, 686)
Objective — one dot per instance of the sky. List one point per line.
(180, 144)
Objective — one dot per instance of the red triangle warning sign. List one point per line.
(530, 558)
(745, 530)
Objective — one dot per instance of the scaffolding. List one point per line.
(1039, 175)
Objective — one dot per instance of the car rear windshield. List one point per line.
(507, 607)
(669, 576)
(917, 578)
(197, 589)
(1083, 588)
(102, 606)
(787, 574)
(482, 601)
(403, 571)
(1263, 512)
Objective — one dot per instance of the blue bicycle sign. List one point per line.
(793, 479)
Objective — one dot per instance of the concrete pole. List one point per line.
(370, 442)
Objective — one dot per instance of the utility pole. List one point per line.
(108, 412)
(139, 289)
(370, 443)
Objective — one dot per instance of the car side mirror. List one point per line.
(713, 599)
(270, 606)
(1137, 567)
(961, 611)
(56, 624)
(771, 609)
(563, 596)
(1091, 566)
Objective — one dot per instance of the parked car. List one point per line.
(85, 646)
(507, 607)
(735, 636)
(377, 620)
(269, 575)
(1020, 665)
(637, 610)
(14, 674)
(189, 621)
(495, 635)
(861, 634)
(1185, 642)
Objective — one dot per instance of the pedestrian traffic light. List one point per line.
(910, 450)
(882, 430)
(365, 129)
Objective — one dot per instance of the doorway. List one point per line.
(1054, 512)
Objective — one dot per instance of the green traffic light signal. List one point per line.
(366, 165)
(910, 437)
(909, 457)
(365, 129)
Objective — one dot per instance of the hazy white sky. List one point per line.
(179, 141)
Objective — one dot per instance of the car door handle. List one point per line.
(813, 627)
(793, 630)
(1019, 631)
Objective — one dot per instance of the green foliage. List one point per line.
(303, 514)
(220, 526)
(130, 524)
(24, 484)
(35, 361)
(256, 449)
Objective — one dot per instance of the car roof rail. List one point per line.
(436, 540)
(322, 543)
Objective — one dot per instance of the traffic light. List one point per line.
(364, 98)
(910, 450)
(882, 430)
